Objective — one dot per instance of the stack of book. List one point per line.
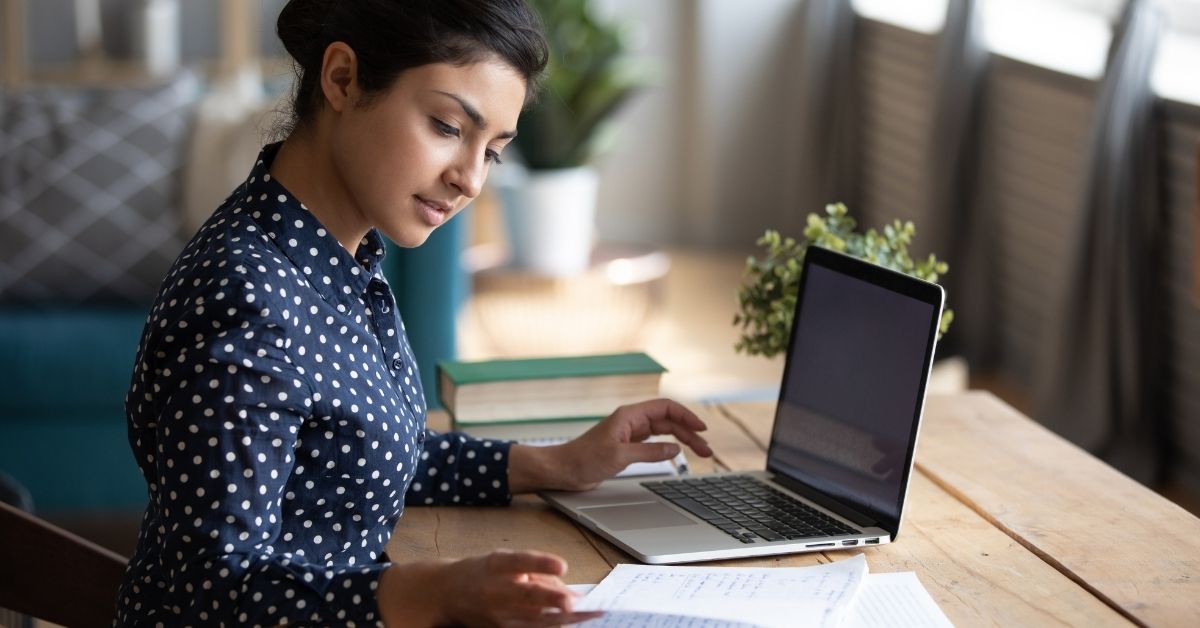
(543, 399)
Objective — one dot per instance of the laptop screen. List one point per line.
(854, 384)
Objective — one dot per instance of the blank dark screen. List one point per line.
(851, 391)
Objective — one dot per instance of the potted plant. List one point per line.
(767, 300)
(550, 207)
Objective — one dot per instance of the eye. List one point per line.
(445, 129)
(492, 156)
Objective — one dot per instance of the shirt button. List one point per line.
(396, 364)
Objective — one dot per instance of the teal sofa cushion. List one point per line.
(58, 361)
(63, 377)
(64, 372)
(73, 462)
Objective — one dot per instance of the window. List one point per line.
(923, 16)
(1070, 36)
(1179, 52)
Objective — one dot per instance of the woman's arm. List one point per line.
(227, 414)
(456, 469)
(607, 448)
(494, 589)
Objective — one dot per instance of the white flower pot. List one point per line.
(550, 216)
(157, 36)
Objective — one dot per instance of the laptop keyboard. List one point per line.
(747, 509)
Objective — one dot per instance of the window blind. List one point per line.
(895, 68)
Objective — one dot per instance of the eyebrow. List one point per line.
(474, 115)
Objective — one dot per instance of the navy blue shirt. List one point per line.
(278, 418)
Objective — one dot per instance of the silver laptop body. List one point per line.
(842, 443)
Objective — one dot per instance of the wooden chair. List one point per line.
(51, 574)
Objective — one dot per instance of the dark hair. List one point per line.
(390, 36)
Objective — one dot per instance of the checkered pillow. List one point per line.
(89, 191)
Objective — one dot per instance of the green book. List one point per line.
(560, 389)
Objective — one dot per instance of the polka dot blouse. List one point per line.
(277, 415)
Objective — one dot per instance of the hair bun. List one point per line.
(299, 27)
(391, 36)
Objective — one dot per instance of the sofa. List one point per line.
(99, 191)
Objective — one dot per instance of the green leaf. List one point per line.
(767, 298)
(588, 79)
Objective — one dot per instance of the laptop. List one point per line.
(842, 442)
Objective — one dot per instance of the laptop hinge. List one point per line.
(824, 501)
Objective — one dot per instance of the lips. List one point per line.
(441, 206)
(434, 213)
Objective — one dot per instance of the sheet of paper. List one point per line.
(687, 597)
(634, 619)
(894, 600)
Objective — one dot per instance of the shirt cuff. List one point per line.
(484, 466)
(350, 598)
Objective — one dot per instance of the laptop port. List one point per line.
(872, 541)
(850, 542)
(820, 545)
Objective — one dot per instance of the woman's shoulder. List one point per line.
(230, 269)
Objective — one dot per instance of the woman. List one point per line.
(275, 408)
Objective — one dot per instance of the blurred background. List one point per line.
(1047, 150)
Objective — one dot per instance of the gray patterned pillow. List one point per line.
(90, 191)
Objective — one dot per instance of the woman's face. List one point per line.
(414, 156)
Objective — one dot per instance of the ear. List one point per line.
(339, 76)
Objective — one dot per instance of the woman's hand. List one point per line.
(607, 448)
(503, 588)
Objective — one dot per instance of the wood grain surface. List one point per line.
(1005, 524)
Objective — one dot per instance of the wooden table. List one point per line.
(1006, 524)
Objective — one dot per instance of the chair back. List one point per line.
(54, 575)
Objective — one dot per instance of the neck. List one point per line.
(303, 165)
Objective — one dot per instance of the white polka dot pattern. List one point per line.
(277, 415)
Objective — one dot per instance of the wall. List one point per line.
(704, 156)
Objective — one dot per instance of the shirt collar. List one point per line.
(336, 275)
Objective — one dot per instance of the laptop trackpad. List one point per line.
(636, 516)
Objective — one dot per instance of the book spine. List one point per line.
(446, 390)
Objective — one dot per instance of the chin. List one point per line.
(408, 238)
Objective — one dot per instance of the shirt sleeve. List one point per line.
(226, 435)
(457, 469)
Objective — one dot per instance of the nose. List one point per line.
(467, 175)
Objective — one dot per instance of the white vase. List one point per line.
(550, 216)
(157, 36)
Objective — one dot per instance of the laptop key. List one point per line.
(696, 508)
(747, 510)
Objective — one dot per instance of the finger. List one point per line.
(540, 596)
(647, 452)
(555, 619)
(527, 603)
(678, 413)
(644, 412)
(683, 435)
(549, 580)
(560, 619)
(526, 562)
(664, 416)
